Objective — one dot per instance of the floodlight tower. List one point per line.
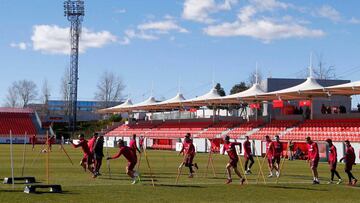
(74, 11)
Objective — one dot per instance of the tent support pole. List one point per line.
(311, 109)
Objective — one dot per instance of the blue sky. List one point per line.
(160, 42)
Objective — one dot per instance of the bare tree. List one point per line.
(252, 78)
(45, 95)
(109, 88)
(12, 99)
(65, 90)
(26, 91)
(324, 71)
(45, 91)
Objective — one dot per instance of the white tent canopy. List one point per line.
(202, 100)
(241, 96)
(170, 103)
(142, 105)
(126, 104)
(344, 89)
(307, 89)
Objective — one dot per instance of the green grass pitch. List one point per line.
(78, 186)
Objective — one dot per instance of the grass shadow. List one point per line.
(178, 186)
(296, 188)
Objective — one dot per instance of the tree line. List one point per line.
(110, 87)
(21, 93)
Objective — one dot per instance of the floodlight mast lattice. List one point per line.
(74, 11)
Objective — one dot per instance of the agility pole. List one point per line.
(37, 157)
(180, 169)
(260, 165)
(210, 161)
(47, 158)
(67, 155)
(138, 166)
(242, 168)
(107, 155)
(151, 173)
(23, 158)
(12, 161)
(282, 163)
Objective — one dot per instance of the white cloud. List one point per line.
(152, 30)
(354, 20)
(124, 41)
(246, 13)
(131, 34)
(56, 40)
(264, 30)
(249, 23)
(120, 11)
(329, 12)
(162, 27)
(269, 4)
(199, 10)
(20, 45)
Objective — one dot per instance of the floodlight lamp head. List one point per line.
(74, 8)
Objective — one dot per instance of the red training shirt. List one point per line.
(349, 155)
(231, 150)
(278, 149)
(128, 154)
(84, 146)
(247, 148)
(188, 147)
(132, 145)
(270, 149)
(313, 150)
(91, 143)
(332, 155)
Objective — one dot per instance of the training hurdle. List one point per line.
(53, 188)
(9, 180)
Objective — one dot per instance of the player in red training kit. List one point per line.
(130, 157)
(141, 142)
(313, 157)
(133, 145)
(270, 152)
(188, 149)
(49, 141)
(349, 162)
(248, 155)
(92, 141)
(229, 147)
(277, 155)
(333, 162)
(86, 161)
(33, 141)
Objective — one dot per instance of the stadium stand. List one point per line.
(167, 129)
(276, 127)
(217, 129)
(244, 128)
(18, 121)
(322, 129)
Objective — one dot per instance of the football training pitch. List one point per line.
(295, 183)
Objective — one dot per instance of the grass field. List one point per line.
(294, 186)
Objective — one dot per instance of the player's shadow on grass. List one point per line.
(62, 193)
(179, 186)
(216, 178)
(298, 176)
(116, 178)
(7, 190)
(297, 188)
